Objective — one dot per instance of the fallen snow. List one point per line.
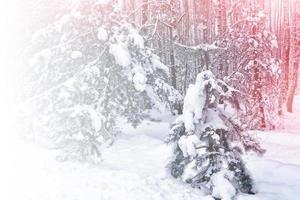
(277, 173)
(134, 168)
(222, 187)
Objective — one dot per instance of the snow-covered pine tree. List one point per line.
(208, 141)
(89, 69)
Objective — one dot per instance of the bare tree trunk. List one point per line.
(185, 77)
(258, 85)
(144, 11)
(171, 43)
(294, 54)
(284, 53)
(293, 86)
(222, 21)
(258, 96)
(130, 5)
(172, 59)
(205, 60)
(186, 26)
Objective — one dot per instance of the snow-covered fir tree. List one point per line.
(208, 140)
(88, 70)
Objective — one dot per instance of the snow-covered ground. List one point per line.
(277, 173)
(134, 168)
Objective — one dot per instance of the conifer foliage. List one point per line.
(89, 70)
(208, 141)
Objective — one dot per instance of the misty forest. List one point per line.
(158, 100)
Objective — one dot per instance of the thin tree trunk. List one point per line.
(293, 86)
(172, 59)
(258, 95)
(257, 86)
(144, 11)
(294, 55)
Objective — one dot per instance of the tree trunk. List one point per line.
(293, 86)
(172, 59)
(285, 55)
(257, 86)
(144, 11)
(294, 55)
(258, 96)
(222, 21)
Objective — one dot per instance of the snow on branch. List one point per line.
(203, 47)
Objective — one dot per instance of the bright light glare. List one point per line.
(9, 48)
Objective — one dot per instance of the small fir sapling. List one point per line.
(208, 142)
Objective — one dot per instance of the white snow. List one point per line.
(188, 144)
(134, 168)
(121, 54)
(44, 56)
(213, 120)
(103, 2)
(158, 105)
(76, 54)
(136, 38)
(277, 173)
(38, 35)
(102, 34)
(222, 187)
(157, 64)
(139, 78)
(204, 47)
(190, 171)
(182, 145)
(274, 43)
(194, 100)
(93, 115)
(139, 81)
